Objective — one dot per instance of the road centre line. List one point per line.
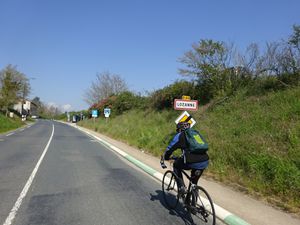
(18, 203)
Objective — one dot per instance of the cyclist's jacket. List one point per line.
(179, 141)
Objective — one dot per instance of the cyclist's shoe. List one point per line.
(182, 191)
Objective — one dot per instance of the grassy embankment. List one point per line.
(7, 124)
(254, 142)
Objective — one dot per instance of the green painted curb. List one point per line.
(146, 168)
(234, 220)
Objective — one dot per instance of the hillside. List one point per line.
(7, 124)
(254, 141)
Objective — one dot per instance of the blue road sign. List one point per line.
(94, 113)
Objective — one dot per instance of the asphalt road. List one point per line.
(79, 181)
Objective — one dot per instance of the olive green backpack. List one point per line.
(196, 143)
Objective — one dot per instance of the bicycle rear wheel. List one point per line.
(203, 210)
(169, 188)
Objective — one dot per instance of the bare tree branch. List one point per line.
(105, 85)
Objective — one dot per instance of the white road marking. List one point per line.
(14, 210)
(10, 134)
(22, 129)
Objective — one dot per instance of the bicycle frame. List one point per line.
(172, 158)
(191, 184)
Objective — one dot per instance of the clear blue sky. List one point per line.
(63, 44)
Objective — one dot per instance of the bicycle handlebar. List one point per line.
(162, 161)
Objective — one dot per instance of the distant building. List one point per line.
(18, 108)
(28, 107)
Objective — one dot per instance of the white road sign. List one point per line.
(107, 112)
(185, 117)
(190, 105)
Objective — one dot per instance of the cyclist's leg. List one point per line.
(195, 175)
(197, 170)
(178, 166)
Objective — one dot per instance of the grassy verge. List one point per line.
(7, 124)
(254, 142)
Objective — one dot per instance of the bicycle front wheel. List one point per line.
(169, 188)
(203, 207)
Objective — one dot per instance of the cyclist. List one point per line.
(187, 161)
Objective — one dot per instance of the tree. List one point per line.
(164, 98)
(8, 94)
(106, 84)
(37, 106)
(14, 87)
(294, 39)
(281, 62)
(210, 62)
(36, 100)
(249, 64)
(282, 58)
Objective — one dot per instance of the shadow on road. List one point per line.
(180, 211)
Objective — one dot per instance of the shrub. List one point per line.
(121, 102)
(126, 101)
(163, 98)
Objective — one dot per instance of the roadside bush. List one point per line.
(272, 83)
(126, 101)
(290, 79)
(7, 124)
(121, 103)
(62, 116)
(163, 98)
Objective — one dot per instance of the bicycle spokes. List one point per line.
(204, 206)
(171, 185)
(169, 188)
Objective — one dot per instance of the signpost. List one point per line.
(107, 112)
(68, 116)
(188, 105)
(185, 117)
(181, 104)
(186, 97)
(94, 114)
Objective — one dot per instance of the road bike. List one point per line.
(196, 200)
